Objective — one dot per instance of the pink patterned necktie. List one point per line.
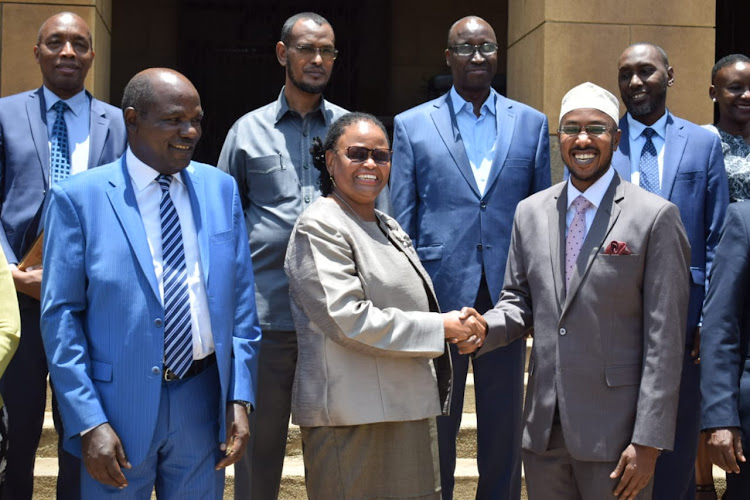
(576, 235)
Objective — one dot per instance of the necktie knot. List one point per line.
(164, 182)
(581, 204)
(60, 106)
(649, 133)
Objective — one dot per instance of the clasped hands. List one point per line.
(465, 328)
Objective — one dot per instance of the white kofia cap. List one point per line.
(590, 96)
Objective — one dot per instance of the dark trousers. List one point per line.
(738, 485)
(258, 472)
(498, 389)
(674, 478)
(24, 389)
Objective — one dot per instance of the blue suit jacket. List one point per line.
(725, 343)
(435, 197)
(694, 179)
(102, 316)
(24, 162)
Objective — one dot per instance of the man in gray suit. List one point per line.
(599, 268)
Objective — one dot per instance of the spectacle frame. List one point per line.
(595, 130)
(359, 154)
(467, 49)
(327, 53)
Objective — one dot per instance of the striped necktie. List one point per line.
(178, 335)
(59, 151)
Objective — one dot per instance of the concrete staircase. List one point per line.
(293, 480)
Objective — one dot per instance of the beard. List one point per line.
(645, 108)
(305, 87)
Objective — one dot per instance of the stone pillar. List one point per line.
(19, 24)
(554, 45)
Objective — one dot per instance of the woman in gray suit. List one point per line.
(373, 369)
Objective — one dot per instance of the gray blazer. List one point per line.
(608, 352)
(361, 358)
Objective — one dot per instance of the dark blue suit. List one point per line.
(24, 181)
(725, 343)
(462, 238)
(694, 179)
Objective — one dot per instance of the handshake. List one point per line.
(465, 328)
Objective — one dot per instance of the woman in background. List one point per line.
(373, 367)
(10, 330)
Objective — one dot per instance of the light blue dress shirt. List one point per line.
(478, 133)
(638, 140)
(77, 121)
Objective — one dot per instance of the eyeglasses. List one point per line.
(327, 53)
(596, 130)
(467, 49)
(359, 154)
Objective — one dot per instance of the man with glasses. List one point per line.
(267, 151)
(679, 161)
(461, 164)
(599, 268)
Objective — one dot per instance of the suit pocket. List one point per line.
(222, 236)
(432, 252)
(101, 371)
(620, 375)
(270, 179)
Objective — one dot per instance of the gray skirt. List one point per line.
(390, 460)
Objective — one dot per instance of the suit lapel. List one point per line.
(196, 189)
(505, 126)
(125, 206)
(98, 129)
(621, 157)
(400, 240)
(605, 218)
(444, 119)
(674, 148)
(36, 111)
(556, 227)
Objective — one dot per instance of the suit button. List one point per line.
(158, 322)
(155, 370)
(563, 331)
(483, 204)
(307, 199)
(479, 247)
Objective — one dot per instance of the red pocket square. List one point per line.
(617, 248)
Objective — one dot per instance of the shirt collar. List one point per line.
(142, 174)
(77, 104)
(282, 107)
(459, 103)
(595, 192)
(637, 128)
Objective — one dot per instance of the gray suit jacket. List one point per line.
(361, 358)
(608, 352)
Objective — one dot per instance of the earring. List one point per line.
(333, 181)
(714, 99)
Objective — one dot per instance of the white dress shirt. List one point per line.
(637, 140)
(148, 197)
(478, 133)
(594, 194)
(77, 122)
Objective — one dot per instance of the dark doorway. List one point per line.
(227, 49)
(732, 35)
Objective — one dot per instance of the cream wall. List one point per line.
(19, 25)
(554, 45)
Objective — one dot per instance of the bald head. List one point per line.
(467, 25)
(65, 53)
(163, 116)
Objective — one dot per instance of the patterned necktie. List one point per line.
(59, 161)
(649, 164)
(178, 335)
(576, 235)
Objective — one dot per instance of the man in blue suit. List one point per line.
(148, 311)
(461, 164)
(94, 134)
(725, 348)
(684, 164)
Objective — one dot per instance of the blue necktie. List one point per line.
(178, 335)
(649, 164)
(59, 152)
